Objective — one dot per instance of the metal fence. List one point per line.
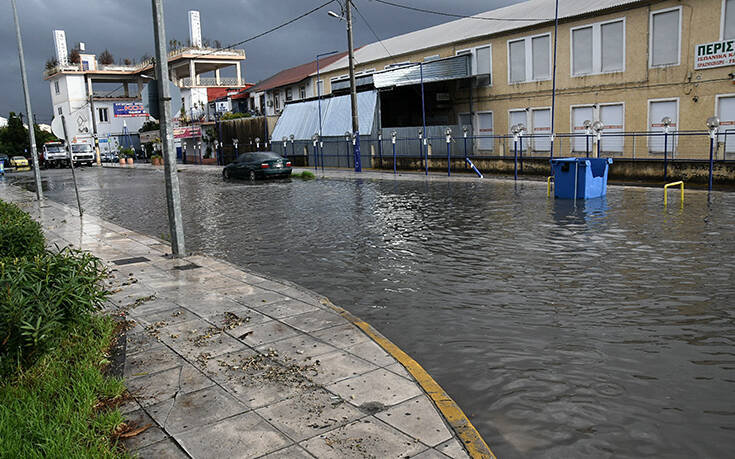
(378, 153)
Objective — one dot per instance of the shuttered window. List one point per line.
(665, 37)
(582, 49)
(728, 21)
(598, 48)
(529, 59)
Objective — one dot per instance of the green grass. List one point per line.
(304, 175)
(63, 406)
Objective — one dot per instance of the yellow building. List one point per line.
(629, 64)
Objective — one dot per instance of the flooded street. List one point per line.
(602, 330)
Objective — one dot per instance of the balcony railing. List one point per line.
(209, 81)
(213, 52)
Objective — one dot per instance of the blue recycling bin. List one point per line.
(591, 177)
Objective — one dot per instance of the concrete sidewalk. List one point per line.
(222, 362)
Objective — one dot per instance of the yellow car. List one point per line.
(20, 163)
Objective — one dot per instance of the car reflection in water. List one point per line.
(258, 165)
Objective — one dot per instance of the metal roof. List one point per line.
(294, 74)
(302, 118)
(538, 12)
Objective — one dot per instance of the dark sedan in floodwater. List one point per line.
(259, 164)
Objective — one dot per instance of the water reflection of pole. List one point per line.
(71, 163)
(424, 153)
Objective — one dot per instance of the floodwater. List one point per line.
(605, 329)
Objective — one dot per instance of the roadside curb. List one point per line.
(452, 413)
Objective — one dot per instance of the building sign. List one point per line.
(187, 132)
(128, 110)
(715, 54)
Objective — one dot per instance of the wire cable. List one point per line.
(453, 15)
(372, 30)
(272, 29)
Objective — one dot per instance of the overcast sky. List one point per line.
(125, 28)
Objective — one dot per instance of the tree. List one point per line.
(75, 56)
(13, 137)
(127, 61)
(51, 63)
(106, 58)
(150, 126)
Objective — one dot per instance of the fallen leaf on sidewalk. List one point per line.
(136, 432)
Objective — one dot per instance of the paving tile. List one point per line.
(195, 409)
(266, 332)
(371, 352)
(154, 388)
(244, 435)
(154, 360)
(430, 454)
(342, 336)
(165, 449)
(258, 297)
(454, 449)
(400, 370)
(146, 307)
(310, 413)
(255, 379)
(208, 304)
(139, 341)
(167, 317)
(315, 320)
(285, 308)
(297, 349)
(153, 434)
(418, 418)
(196, 338)
(379, 386)
(366, 437)
(292, 452)
(340, 365)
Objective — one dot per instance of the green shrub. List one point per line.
(41, 297)
(20, 235)
(63, 405)
(305, 175)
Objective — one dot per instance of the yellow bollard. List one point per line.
(548, 185)
(666, 189)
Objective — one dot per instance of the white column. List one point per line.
(239, 75)
(192, 72)
(216, 76)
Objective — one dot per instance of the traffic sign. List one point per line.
(150, 98)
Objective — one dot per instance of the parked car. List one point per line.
(20, 163)
(108, 157)
(260, 164)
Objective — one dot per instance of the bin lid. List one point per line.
(580, 161)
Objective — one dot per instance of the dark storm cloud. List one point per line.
(125, 28)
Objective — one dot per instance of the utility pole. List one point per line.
(29, 112)
(94, 121)
(173, 194)
(353, 89)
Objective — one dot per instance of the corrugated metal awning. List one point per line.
(302, 118)
(451, 68)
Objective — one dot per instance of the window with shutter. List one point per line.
(665, 37)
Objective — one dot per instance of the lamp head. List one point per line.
(291, 137)
(597, 126)
(587, 124)
(394, 134)
(448, 131)
(348, 135)
(666, 121)
(334, 15)
(713, 122)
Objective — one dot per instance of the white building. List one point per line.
(113, 92)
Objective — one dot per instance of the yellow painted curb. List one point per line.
(470, 437)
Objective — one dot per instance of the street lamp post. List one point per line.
(587, 130)
(293, 148)
(713, 123)
(448, 133)
(393, 136)
(234, 144)
(314, 141)
(597, 127)
(666, 121)
(353, 86)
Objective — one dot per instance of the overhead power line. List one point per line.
(463, 16)
(371, 29)
(273, 29)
